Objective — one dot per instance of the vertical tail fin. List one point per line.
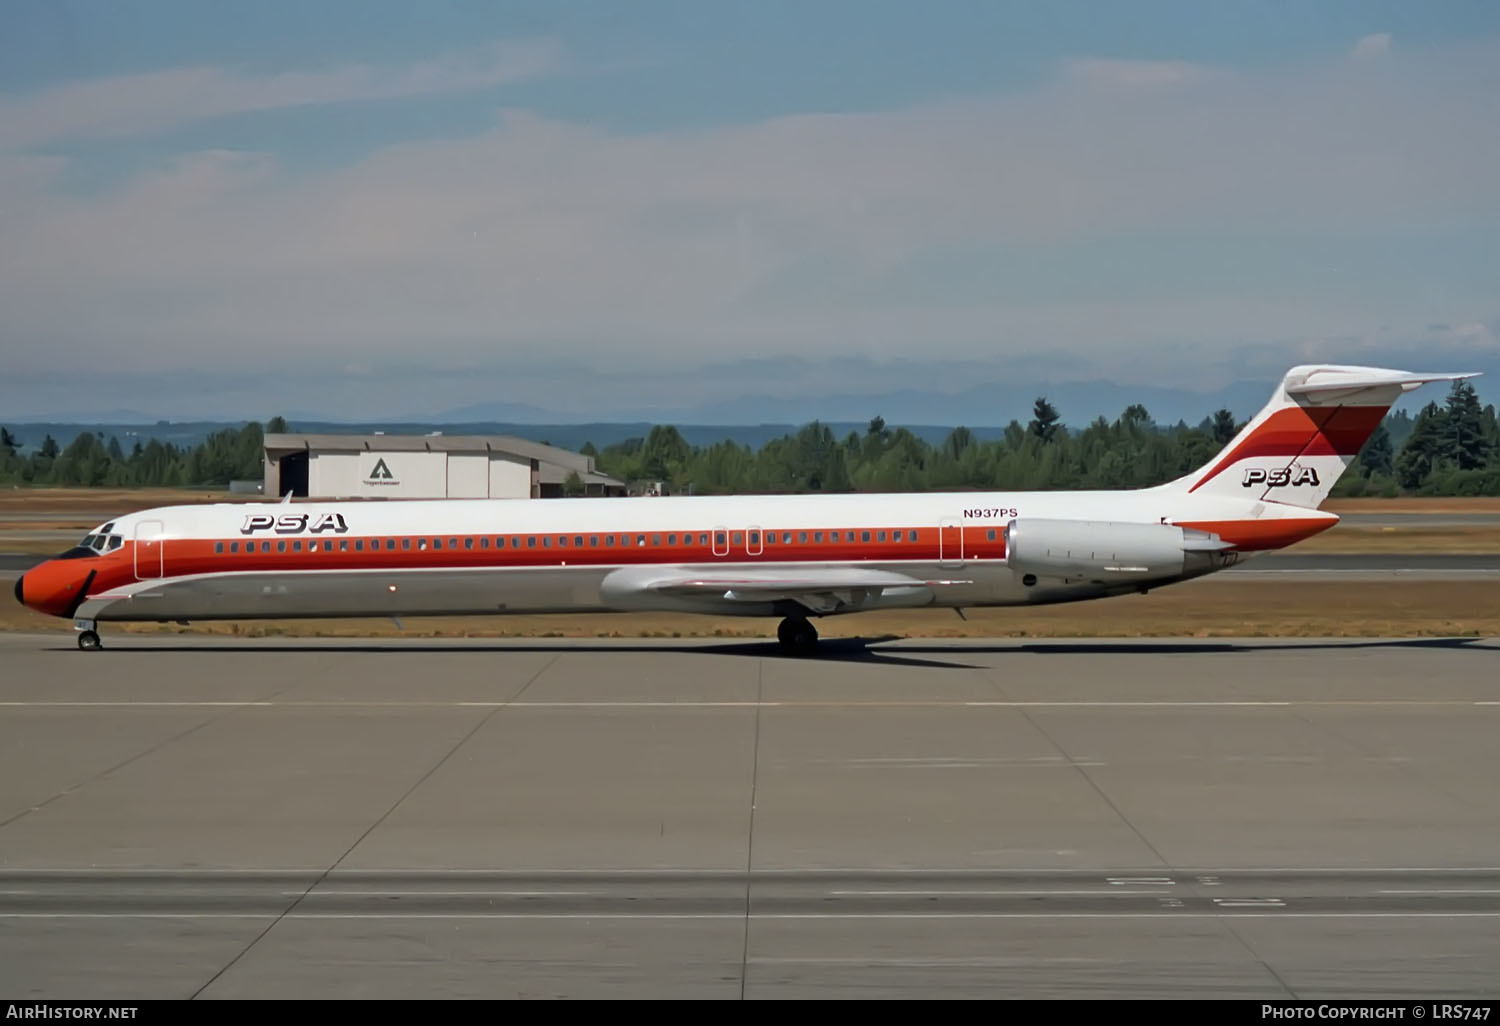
(1297, 447)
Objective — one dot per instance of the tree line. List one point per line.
(90, 461)
(1448, 448)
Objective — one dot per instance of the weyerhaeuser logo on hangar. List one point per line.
(380, 474)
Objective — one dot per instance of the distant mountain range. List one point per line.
(750, 420)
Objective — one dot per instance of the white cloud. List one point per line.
(136, 104)
(542, 238)
(1372, 46)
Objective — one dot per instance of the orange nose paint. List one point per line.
(56, 587)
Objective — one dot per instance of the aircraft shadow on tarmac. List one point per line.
(856, 650)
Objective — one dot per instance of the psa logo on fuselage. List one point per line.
(295, 523)
(1280, 477)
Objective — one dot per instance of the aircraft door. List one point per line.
(950, 542)
(150, 550)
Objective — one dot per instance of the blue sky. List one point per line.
(600, 206)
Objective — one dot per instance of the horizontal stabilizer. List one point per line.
(1338, 384)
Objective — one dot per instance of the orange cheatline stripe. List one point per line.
(202, 556)
(1259, 535)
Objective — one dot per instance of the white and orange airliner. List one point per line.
(793, 556)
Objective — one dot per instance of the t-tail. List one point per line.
(1295, 449)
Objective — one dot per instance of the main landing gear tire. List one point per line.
(797, 636)
(88, 640)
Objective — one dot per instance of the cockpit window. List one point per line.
(93, 545)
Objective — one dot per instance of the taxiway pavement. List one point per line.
(1326, 565)
(200, 817)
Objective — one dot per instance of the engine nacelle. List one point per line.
(1103, 550)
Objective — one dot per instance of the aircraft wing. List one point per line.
(822, 591)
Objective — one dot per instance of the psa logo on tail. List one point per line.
(1280, 477)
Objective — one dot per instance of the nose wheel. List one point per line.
(797, 636)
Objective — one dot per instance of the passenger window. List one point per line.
(738, 537)
(578, 541)
(671, 539)
(656, 539)
(468, 543)
(991, 536)
(865, 536)
(234, 546)
(609, 541)
(343, 544)
(281, 546)
(718, 537)
(640, 540)
(593, 541)
(880, 536)
(531, 541)
(218, 546)
(406, 543)
(359, 545)
(754, 537)
(297, 546)
(562, 541)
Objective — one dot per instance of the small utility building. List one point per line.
(432, 466)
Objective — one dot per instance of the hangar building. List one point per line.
(432, 466)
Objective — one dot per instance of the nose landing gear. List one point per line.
(797, 636)
(88, 638)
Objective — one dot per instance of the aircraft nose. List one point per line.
(20, 597)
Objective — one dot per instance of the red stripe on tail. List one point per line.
(1296, 431)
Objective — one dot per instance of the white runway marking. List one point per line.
(691, 871)
(985, 894)
(739, 916)
(773, 704)
(339, 892)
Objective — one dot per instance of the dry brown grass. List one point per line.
(1207, 608)
(1409, 540)
(1473, 504)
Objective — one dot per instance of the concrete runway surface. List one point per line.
(202, 817)
(1334, 566)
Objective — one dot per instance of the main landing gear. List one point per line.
(797, 636)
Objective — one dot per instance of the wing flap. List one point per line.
(822, 591)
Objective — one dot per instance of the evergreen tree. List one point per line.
(1423, 451)
(1464, 436)
(1375, 457)
(1044, 420)
(1223, 428)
